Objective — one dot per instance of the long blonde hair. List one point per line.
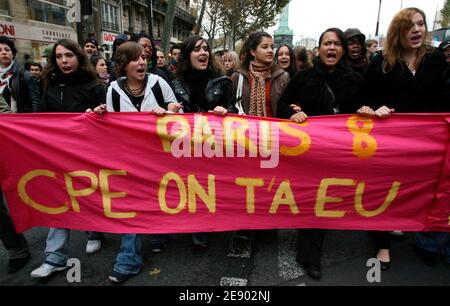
(394, 46)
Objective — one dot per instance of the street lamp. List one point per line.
(378, 19)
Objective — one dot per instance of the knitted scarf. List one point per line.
(5, 75)
(260, 73)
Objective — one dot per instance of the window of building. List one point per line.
(110, 17)
(143, 21)
(4, 8)
(50, 11)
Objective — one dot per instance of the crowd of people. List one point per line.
(344, 75)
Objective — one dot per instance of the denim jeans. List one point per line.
(130, 259)
(14, 242)
(433, 242)
(57, 248)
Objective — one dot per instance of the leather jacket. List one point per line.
(218, 93)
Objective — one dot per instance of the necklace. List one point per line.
(135, 92)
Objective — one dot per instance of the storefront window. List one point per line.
(4, 8)
(50, 11)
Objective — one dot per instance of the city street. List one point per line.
(271, 262)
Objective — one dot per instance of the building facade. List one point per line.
(307, 42)
(36, 24)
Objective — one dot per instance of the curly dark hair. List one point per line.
(7, 41)
(83, 61)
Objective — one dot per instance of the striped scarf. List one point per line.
(260, 73)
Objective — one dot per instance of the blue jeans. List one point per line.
(433, 242)
(130, 259)
(57, 248)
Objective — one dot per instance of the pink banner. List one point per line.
(139, 173)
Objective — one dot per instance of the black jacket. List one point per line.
(308, 89)
(74, 93)
(218, 92)
(25, 89)
(405, 92)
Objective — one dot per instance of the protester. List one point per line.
(19, 93)
(18, 87)
(70, 84)
(150, 52)
(330, 87)
(430, 244)
(134, 92)
(36, 70)
(302, 58)
(406, 77)
(175, 51)
(14, 243)
(230, 62)
(120, 39)
(372, 47)
(101, 67)
(262, 84)
(161, 64)
(199, 88)
(90, 46)
(285, 58)
(357, 53)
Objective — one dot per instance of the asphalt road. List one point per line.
(270, 261)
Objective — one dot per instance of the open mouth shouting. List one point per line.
(355, 53)
(203, 61)
(67, 69)
(140, 72)
(331, 58)
(284, 62)
(416, 39)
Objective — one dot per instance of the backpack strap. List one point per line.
(115, 100)
(157, 92)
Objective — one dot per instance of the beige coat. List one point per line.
(4, 107)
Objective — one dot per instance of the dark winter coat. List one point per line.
(217, 93)
(308, 89)
(405, 92)
(73, 93)
(25, 89)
